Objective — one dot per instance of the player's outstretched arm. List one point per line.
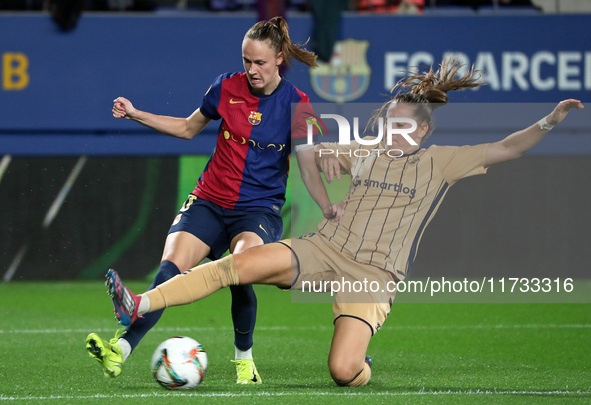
(185, 128)
(516, 144)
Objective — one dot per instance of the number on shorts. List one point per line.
(188, 203)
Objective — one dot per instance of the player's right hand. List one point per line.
(122, 108)
(333, 211)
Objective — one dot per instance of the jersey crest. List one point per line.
(255, 117)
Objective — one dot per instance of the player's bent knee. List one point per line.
(343, 371)
(346, 378)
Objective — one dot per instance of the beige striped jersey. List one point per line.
(391, 200)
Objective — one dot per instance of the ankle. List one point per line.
(242, 354)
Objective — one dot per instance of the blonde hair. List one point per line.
(276, 31)
(428, 90)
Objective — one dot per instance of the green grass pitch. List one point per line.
(425, 353)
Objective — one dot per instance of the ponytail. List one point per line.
(276, 31)
(434, 85)
(428, 91)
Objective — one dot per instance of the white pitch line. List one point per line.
(421, 392)
(296, 328)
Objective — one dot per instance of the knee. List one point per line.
(343, 370)
(245, 240)
(178, 259)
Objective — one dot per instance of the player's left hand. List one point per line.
(330, 167)
(333, 211)
(562, 109)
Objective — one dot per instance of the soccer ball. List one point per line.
(179, 363)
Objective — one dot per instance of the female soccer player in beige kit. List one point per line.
(395, 191)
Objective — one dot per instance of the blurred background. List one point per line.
(81, 192)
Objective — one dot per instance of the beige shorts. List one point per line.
(360, 290)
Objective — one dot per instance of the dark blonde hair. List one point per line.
(428, 90)
(276, 31)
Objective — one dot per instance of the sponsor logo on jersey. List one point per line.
(255, 117)
(273, 146)
(395, 187)
(242, 140)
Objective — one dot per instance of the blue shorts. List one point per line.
(216, 226)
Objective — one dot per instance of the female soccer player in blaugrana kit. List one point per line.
(238, 198)
(377, 238)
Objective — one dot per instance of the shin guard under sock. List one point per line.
(244, 315)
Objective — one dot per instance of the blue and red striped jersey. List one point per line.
(249, 166)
